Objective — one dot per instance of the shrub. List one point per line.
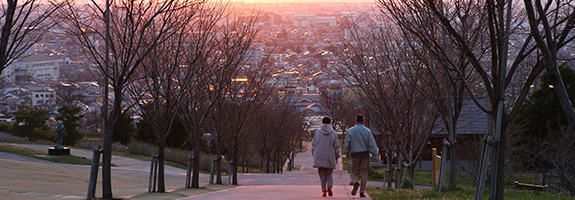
(30, 122)
(5, 127)
(406, 183)
(39, 133)
(173, 155)
(124, 130)
(374, 174)
(70, 117)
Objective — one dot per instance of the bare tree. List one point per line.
(385, 77)
(69, 94)
(337, 103)
(495, 60)
(25, 24)
(438, 53)
(215, 53)
(232, 114)
(550, 24)
(278, 125)
(130, 30)
(158, 93)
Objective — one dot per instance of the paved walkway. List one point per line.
(303, 184)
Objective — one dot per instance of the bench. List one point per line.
(522, 186)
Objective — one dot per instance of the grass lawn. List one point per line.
(94, 135)
(464, 193)
(465, 190)
(43, 155)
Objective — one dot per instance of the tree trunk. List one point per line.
(453, 166)
(196, 173)
(411, 170)
(161, 168)
(389, 167)
(218, 163)
(234, 165)
(498, 158)
(267, 163)
(107, 162)
(6, 30)
(451, 128)
(108, 121)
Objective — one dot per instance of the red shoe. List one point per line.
(329, 192)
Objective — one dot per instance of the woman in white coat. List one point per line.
(325, 150)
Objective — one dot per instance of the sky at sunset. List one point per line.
(300, 1)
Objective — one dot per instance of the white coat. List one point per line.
(325, 147)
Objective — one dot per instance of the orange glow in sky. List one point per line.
(299, 1)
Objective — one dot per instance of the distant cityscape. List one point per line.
(296, 36)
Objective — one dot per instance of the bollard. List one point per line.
(212, 170)
(94, 172)
(385, 175)
(488, 141)
(435, 167)
(399, 170)
(389, 157)
(397, 177)
(189, 171)
(153, 173)
(442, 165)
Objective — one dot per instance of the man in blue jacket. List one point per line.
(359, 143)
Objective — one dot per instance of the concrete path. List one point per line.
(303, 184)
(281, 192)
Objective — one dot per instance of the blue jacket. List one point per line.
(359, 139)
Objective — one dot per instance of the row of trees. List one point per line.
(435, 55)
(181, 57)
(167, 60)
(181, 61)
(495, 39)
(389, 87)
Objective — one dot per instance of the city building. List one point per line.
(35, 67)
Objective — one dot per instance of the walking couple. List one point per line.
(359, 143)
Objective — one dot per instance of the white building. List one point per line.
(41, 95)
(303, 20)
(327, 21)
(37, 67)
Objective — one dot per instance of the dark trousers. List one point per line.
(325, 177)
(360, 166)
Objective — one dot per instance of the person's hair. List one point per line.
(326, 120)
(359, 118)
